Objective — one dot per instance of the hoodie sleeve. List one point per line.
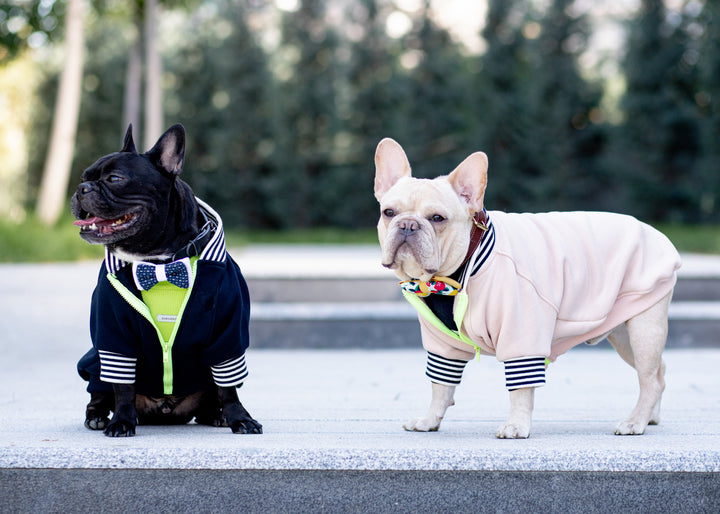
(225, 350)
(112, 325)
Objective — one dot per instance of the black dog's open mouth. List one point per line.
(102, 227)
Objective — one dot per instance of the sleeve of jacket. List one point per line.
(229, 338)
(112, 322)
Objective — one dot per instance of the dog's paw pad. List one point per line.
(422, 425)
(630, 428)
(512, 431)
(96, 423)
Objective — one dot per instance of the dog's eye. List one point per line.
(437, 218)
(114, 178)
(389, 213)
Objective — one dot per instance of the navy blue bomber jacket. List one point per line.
(209, 347)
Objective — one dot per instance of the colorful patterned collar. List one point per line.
(446, 286)
(437, 285)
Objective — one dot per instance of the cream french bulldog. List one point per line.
(522, 287)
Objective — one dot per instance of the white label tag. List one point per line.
(166, 318)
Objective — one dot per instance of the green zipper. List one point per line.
(144, 311)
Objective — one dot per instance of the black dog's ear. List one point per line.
(169, 152)
(128, 143)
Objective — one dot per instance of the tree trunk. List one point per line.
(56, 173)
(153, 77)
(133, 87)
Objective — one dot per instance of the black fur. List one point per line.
(135, 204)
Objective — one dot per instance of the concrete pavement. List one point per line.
(332, 420)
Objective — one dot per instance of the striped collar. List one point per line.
(480, 256)
(214, 250)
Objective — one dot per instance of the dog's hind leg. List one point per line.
(640, 342)
(442, 398)
(98, 410)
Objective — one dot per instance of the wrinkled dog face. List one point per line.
(424, 227)
(123, 199)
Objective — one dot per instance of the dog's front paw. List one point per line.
(122, 423)
(629, 427)
(428, 424)
(239, 420)
(513, 431)
(246, 426)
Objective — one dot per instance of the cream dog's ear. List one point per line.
(469, 180)
(391, 164)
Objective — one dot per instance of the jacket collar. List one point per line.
(213, 249)
(477, 257)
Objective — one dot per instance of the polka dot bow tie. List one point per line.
(437, 285)
(147, 275)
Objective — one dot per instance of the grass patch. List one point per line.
(693, 238)
(31, 241)
(303, 236)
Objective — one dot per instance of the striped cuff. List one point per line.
(230, 373)
(117, 368)
(524, 372)
(444, 371)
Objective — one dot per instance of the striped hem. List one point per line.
(116, 368)
(444, 371)
(524, 372)
(230, 373)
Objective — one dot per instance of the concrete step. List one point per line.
(333, 441)
(394, 325)
(386, 289)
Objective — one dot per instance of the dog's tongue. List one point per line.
(88, 221)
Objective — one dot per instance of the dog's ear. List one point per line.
(469, 180)
(169, 151)
(128, 143)
(391, 164)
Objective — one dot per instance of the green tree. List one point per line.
(708, 99)
(305, 119)
(502, 107)
(660, 136)
(436, 115)
(29, 23)
(567, 139)
(373, 109)
(221, 97)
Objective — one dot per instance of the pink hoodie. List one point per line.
(555, 280)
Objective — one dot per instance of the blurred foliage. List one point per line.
(284, 109)
(31, 241)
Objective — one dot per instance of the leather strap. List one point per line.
(476, 234)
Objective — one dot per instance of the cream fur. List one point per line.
(416, 247)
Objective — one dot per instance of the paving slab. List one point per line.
(333, 429)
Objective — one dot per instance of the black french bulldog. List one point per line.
(153, 229)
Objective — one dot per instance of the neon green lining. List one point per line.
(145, 311)
(459, 310)
(164, 301)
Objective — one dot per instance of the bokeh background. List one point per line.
(585, 104)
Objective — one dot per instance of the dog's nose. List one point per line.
(408, 226)
(84, 188)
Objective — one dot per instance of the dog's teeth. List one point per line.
(93, 227)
